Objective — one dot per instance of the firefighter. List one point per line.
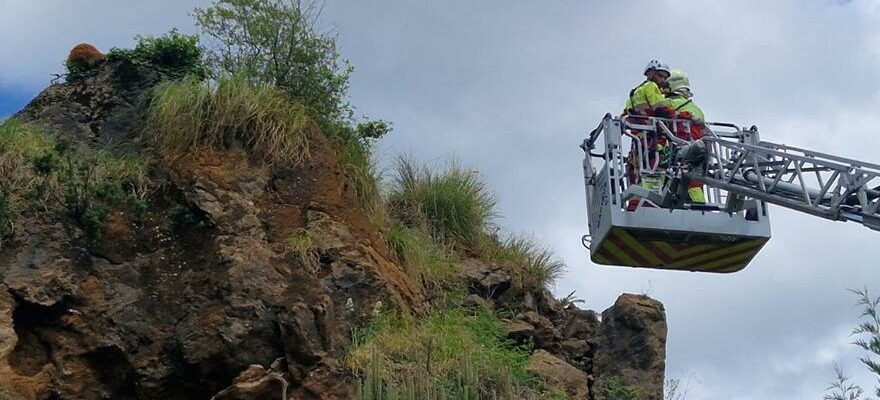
(648, 95)
(680, 100)
(646, 99)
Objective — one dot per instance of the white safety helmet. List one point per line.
(678, 81)
(657, 65)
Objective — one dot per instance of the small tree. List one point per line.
(841, 388)
(869, 332)
(277, 42)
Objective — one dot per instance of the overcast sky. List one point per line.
(511, 87)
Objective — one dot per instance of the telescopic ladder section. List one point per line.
(815, 183)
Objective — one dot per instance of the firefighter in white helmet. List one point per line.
(648, 95)
(646, 99)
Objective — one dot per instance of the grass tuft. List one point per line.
(20, 143)
(453, 203)
(427, 262)
(190, 114)
(450, 354)
(301, 243)
(532, 266)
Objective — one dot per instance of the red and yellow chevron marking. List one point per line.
(622, 248)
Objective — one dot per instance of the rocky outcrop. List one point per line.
(204, 296)
(559, 373)
(179, 303)
(632, 347)
(626, 347)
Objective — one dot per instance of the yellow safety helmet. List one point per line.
(678, 81)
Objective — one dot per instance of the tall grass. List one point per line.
(430, 263)
(355, 159)
(453, 203)
(451, 354)
(190, 114)
(19, 144)
(532, 266)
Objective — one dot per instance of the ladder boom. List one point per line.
(812, 182)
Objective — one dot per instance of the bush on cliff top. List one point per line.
(277, 42)
(174, 54)
(190, 114)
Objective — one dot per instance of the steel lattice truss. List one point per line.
(820, 184)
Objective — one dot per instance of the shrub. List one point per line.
(276, 42)
(82, 59)
(175, 55)
(531, 265)
(84, 185)
(190, 114)
(452, 354)
(453, 203)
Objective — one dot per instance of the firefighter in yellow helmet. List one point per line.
(680, 99)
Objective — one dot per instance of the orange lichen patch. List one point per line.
(84, 53)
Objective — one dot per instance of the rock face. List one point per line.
(204, 297)
(632, 346)
(177, 305)
(560, 373)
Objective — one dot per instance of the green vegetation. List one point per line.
(7, 216)
(39, 172)
(532, 266)
(615, 388)
(450, 354)
(84, 185)
(19, 144)
(189, 114)
(77, 70)
(175, 55)
(276, 42)
(454, 208)
(301, 243)
(428, 262)
(453, 204)
(868, 339)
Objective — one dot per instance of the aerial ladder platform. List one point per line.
(657, 226)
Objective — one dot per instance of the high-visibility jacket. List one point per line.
(685, 108)
(644, 98)
(682, 104)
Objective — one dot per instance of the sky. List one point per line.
(511, 88)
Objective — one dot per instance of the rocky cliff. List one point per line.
(200, 296)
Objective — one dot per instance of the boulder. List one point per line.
(520, 332)
(485, 279)
(631, 348)
(255, 383)
(558, 373)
